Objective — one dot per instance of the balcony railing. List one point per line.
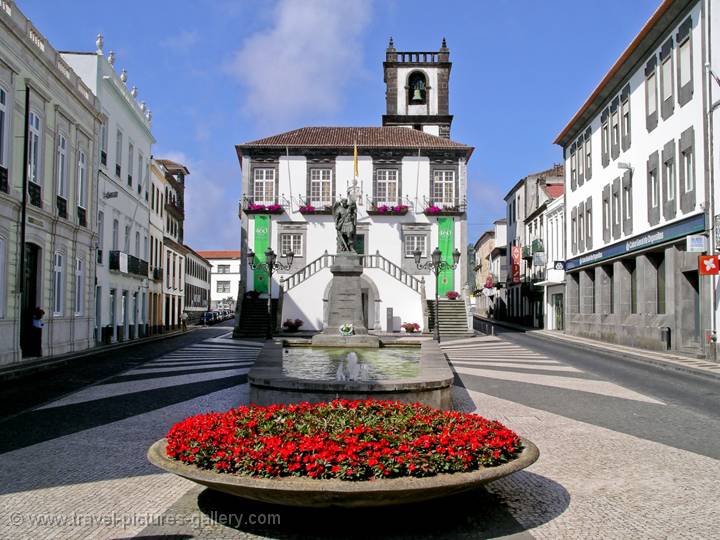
(249, 206)
(128, 264)
(384, 207)
(445, 208)
(62, 207)
(308, 207)
(4, 186)
(35, 194)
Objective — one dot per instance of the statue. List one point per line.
(345, 214)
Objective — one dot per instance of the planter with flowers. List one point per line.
(341, 453)
(292, 325)
(434, 211)
(388, 210)
(347, 329)
(452, 295)
(309, 209)
(410, 327)
(253, 208)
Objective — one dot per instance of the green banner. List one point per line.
(446, 243)
(262, 242)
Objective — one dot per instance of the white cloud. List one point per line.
(298, 68)
(212, 192)
(182, 41)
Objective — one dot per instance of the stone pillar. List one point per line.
(346, 294)
(647, 285)
(586, 291)
(603, 280)
(622, 289)
(571, 290)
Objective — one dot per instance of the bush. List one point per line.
(347, 440)
(410, 327)
(452, 295)
(292, 325)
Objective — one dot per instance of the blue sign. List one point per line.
(643, 241)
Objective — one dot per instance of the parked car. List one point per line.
(207, 318)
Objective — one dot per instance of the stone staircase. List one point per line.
(253, 318)
(453, 318)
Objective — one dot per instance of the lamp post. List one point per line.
(269, 266)
(436, 265)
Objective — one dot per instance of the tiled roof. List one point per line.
(173, 166)
(218, 254)
(555, 190)
(365, 137)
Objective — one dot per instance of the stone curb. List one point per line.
(626, 355)
(19, 370)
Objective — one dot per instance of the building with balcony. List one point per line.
(524, 202)
(197, 284)
(639, 184)
(47, 205)
(481, 271)
(224, 277)
(122, 219)
(409, 180)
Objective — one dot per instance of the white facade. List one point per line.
(637, 186)
(224, 278)
(63, 118)
(554, 277)
(122, 218)
(391, 278)
(197, 284)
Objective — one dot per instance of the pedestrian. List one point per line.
(36, 332)
(184, 319)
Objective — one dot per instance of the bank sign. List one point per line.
(670, 232)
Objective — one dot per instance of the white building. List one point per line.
(411, 190)
(498, 265)
(553, 280)
(53, 194)
(224, 277)
(197, 284)
(122, 218)
(637, 186)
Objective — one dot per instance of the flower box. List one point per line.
(452, 295)
(263, 209)
(386, 210)
(435, 211)
(308, 209)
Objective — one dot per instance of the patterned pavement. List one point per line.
(615, 462)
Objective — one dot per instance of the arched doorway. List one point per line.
(370, 298)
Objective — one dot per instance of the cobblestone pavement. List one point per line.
(615, 462)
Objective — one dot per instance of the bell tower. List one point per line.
(417, 87)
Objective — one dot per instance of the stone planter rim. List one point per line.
(309, 492)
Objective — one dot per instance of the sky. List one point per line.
(216, 73)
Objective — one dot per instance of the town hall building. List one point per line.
(410, 182)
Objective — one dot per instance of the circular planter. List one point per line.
(308, 492)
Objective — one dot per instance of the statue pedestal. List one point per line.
(345, 306)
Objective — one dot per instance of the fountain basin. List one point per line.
(306, 492)
(270, 383)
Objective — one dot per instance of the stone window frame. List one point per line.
(39, 147)
(573, 230)
(615, 209)
(445, 167)
(606, 213)
(588, 223)
(588, 154)
(683, 36)
(627, 203)
(58, 284)
(62, 157)
(667, 103)
(255, 165)
(605, 137)
(653, 165)
(615, 128)
(292, 227)
(224, 283)
(384, 166)
(573, 166)
(651, 119)
(580, 159)
(668, 158)
(581, 227)
(625, 124)
(686, 146)
(321, 162)
(408, 263)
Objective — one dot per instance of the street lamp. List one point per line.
(436, 265)
(269, 266)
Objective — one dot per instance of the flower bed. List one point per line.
(345, 440)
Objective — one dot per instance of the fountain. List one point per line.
(344, 360)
